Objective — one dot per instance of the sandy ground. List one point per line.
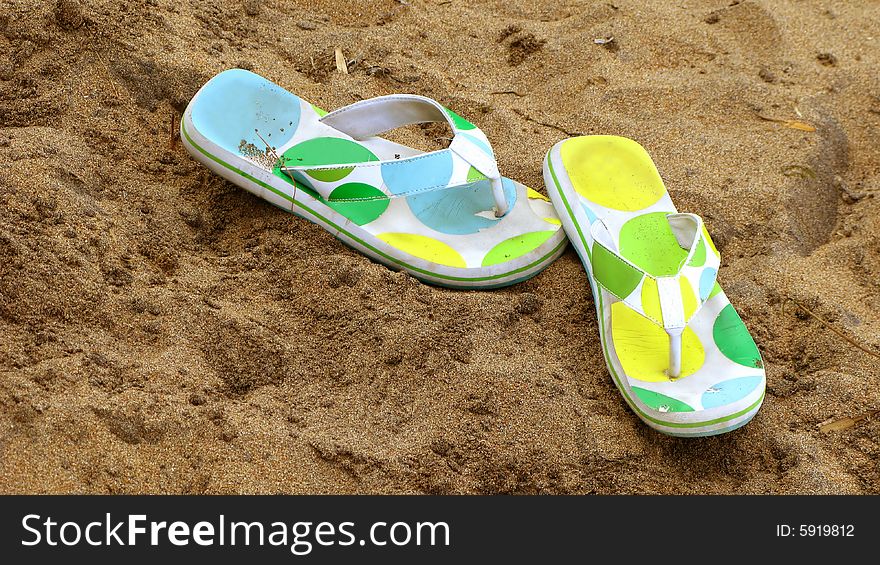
(163, 331)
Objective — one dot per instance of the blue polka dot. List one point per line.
(430, 170)
(454, 210)
(728, 392)
(479, 143)
(707, 281)
(236, 102)
(590, 215)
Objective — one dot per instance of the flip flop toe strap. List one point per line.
(669, 301)
(368, 118)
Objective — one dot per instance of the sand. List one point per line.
(163, 331)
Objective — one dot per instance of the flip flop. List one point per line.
(673, 343)
(447, 217)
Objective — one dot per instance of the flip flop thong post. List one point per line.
(447, 217)
(674, 345)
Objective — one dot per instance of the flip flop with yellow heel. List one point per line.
(675, 347)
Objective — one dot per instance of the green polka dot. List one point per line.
(699, 257)
(475, 175)
(460, 123)
(648, 241)
(371, 202)
(366, 202)
(715, 290)
(327, 151)
(516, 247)
(613, 274)
(733, 339)
(661, 402)
(319, 111)
(300, 179)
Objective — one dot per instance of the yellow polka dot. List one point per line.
(643, 347)
(424, 247)
(688, 298)
(553, 221)
(612, 171)
(532, 193)
(651, 299)
(710, 242)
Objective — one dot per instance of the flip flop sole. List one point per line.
(444, 258)
(711, 421)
